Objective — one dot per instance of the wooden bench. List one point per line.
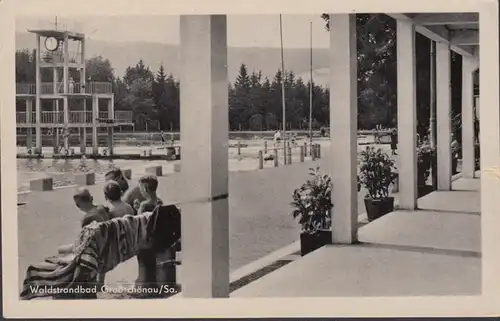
(157, 263)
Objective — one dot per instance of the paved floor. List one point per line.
(432, 251)
(259, 217)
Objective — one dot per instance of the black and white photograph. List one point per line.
(251, 156)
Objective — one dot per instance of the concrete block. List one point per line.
(155, 170)
(42, 184)
(177, 168)
(127, 173)
(85, 178)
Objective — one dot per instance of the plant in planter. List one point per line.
(377, 174)
(312, 204)
(426, 160)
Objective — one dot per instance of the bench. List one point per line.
(157, 261)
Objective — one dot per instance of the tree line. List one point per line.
(255, 101)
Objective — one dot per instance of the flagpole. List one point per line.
(310, 91)
(283, 99)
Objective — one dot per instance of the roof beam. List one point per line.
(436, 33)
(430, 19)
(464, 37)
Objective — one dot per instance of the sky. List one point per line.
(242, 30)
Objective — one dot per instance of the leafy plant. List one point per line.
(312, 202)
(377, 172)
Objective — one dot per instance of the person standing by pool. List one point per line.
(394, 141)
(277, 138)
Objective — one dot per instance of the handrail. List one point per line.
(75, 117)
(47, 88)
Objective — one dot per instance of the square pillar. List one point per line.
(57, 130)
(443, 113)
(111, 115)
(29, 130)
(204, 131)
(110, 140)
(343, 127)
(468, 67)
(38, 108)
(95, 114)
(66, 122)
(407, 115)
(489, 131)
(83, 140)
(66, 63)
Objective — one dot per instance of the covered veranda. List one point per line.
(204, 131)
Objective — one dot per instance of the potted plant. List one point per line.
(312, 205)
(377, 174)
(426, 160)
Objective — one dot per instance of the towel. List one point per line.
(99, 248)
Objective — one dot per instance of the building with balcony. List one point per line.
(63, 101)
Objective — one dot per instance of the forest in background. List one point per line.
(255, 101)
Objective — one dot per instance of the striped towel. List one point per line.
(99, 248)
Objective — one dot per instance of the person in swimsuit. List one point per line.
(148, 185)
(117, 176)
(117, 207)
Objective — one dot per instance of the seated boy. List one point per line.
(85, 202)
(148, 185)
(117, 176)
(113, 194)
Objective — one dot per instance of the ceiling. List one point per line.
(461, 30)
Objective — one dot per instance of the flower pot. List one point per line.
(312, 242)
(424, 190)
(376, 208)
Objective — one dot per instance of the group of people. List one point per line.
(278, 136)
(121, 200)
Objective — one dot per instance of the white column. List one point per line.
(407, 115)
(65, 82)
(468, 67)
(29, 130)
(110, 129)
(489, 131)
(95, 114)
(66, 121)
(443, 111)
(343, 127)
(83, 138)
(55, 80)
(66, 63)
(38, 105)
(204, 131)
